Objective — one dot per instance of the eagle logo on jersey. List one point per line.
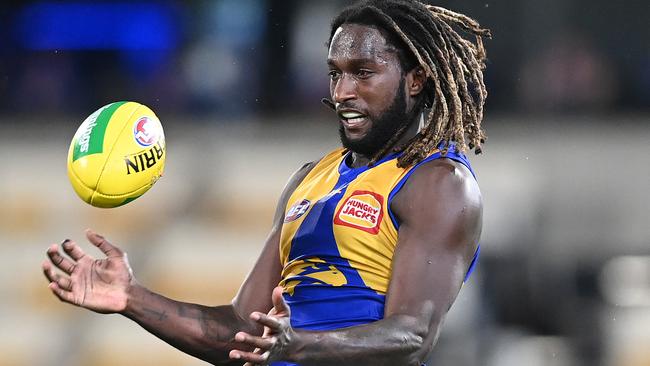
(362, 210)
(297, 210)
(313, 271)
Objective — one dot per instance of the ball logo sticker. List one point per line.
(145, 132)
(297, 210)
(362, 210)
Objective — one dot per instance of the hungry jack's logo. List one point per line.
(362, 210)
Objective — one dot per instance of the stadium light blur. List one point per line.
(625, 281)
(97, 26)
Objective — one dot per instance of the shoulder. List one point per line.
(300, 174)
(443, 176)
(297, 177)
(307, 168)
(294, 181)
(439, 190)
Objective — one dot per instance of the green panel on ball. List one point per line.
(90, 139)
(130, 199)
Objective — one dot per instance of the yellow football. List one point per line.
(117, 154)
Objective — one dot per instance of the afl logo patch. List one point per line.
(362, 210)
(297, 210)
(145, 132)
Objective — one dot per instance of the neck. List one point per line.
(358, 160)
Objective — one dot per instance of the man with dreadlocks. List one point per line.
(372, 243)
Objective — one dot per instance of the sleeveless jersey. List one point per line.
(338, 239)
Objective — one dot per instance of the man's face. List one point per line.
(367, 86)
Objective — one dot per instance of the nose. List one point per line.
(345, 88)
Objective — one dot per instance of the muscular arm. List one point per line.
(202, 331)
(208, 332)
(440, 213)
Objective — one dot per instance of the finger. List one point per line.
(280, 306)
(63, 282)
(100, 242)
(65, 296)
(59, 261)
(259, 352)
(258, 342)
(73, 250)
(249, 357)
(48, 271)
(266, 320)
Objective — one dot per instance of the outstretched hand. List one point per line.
(97, 284)
(277, 339)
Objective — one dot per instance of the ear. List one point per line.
(415, 80)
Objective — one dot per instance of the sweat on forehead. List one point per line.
(360, 39)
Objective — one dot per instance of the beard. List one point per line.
(382, 129)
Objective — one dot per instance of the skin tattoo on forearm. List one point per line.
(160, 315)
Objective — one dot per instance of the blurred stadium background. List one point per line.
(565, 274)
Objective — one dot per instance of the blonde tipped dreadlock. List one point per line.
(454, 94)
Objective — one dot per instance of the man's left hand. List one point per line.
(277, 339)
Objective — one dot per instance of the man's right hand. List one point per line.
(100, 285)
(107, 285)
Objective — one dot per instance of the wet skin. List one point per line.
(365, 77)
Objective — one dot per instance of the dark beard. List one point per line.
(382, 130)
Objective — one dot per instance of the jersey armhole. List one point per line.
(398, 187)
(314, 164)
(450, 155)
(472, 265)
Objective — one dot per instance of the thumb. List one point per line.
(281, 307)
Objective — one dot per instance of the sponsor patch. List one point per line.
(362, 210)
(297, 210)
(145, 132)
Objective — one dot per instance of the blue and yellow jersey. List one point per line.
(338, 240)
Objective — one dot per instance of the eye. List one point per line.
(334, 74)
(364, 73)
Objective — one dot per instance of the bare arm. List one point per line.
(440, 212)
(107, 285)
(204, 331)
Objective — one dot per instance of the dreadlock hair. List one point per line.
(454, 94)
